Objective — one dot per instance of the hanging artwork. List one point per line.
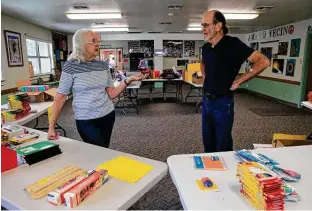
(295, 47)
(147, 47)
(290, 67)
(267, 52)
(13, 47)
(278, 66)
(173, 48)
(255, 45)
(189, 48)
(283, 48)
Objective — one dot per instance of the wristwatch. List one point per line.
(125, 81)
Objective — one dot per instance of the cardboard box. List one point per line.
(287, 140)
(197, 78)
(42, 96)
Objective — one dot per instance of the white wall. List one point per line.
(160, 63)
(14, 74)
(300, 31)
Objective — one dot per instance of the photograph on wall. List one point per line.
(173, 48)
(147, 47)
(290, 67)
(283, 48)
(278, 66)
(189, 48)
(295, 47)
(267, 52)
(13, 47)
(255, 45)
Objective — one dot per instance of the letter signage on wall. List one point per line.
(272, 33)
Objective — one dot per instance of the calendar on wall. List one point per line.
(173, 48)
(134, 46)
(189, 48)
(147, 47)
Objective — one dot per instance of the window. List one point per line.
(41, 56)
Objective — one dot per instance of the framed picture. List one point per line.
(295, 47)
(13, 47)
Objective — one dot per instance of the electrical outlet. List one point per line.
(246, 85)
(286, 95)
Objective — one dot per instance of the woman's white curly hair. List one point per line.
(79, 41)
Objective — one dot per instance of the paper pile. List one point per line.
(261, 188)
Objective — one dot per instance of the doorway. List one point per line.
(308, 67)
(113, 56)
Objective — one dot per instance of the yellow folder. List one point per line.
(126, 169)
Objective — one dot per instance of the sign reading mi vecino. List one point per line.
(271, 33)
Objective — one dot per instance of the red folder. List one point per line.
(8, 159)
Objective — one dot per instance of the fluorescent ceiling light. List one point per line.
(240, 16)
(93, 15)
(194, 25)
(194, 28)
(107, 26)
(122, 29)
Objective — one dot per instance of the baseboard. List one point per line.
(268, 97)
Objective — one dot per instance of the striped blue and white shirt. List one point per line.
(88, 81)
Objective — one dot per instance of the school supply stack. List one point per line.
(261, 188)
(76, 190)
(41, 188)
(209, 163)
(13, 130)
(39, 151)
(18, 107)
(34, 88)
(271, 166)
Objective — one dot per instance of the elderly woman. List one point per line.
(92, 86)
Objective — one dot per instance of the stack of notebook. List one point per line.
(39, 151)
(260, 187)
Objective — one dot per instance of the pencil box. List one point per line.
(78, 193)
(56, 197)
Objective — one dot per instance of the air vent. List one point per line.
(134, 32)
(165, 23)
(153, 32)
(98, 24)
(175, 6)
(81, 7)
(260, 8)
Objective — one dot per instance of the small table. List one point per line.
(113, 195)
(307, 104)
(177, 82)
(184, 176)
(42, 109)
(129, 94)
(197, 87)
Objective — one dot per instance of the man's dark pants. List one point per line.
(217, 123)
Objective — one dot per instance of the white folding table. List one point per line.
(198, 88)
(184, 176)
(113, 195)
(41, 109)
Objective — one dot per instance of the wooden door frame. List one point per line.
(305, 68)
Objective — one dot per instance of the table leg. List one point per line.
(189, 93)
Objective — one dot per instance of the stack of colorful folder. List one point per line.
(19, 107)
(260, 187)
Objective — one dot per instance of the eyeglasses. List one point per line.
(94, 41)
(206, 25)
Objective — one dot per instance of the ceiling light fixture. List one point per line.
(93, 15)
(194, 28)
(108, 26)
(121, 29)
(240, 16)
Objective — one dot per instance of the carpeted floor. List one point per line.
(165, 129)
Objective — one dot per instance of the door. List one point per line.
(309, 65)
(113, 56)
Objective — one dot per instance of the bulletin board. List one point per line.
(173, 48)
(189, 48)
(147, 47)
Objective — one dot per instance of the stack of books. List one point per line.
(19, 107)
(260, 187)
